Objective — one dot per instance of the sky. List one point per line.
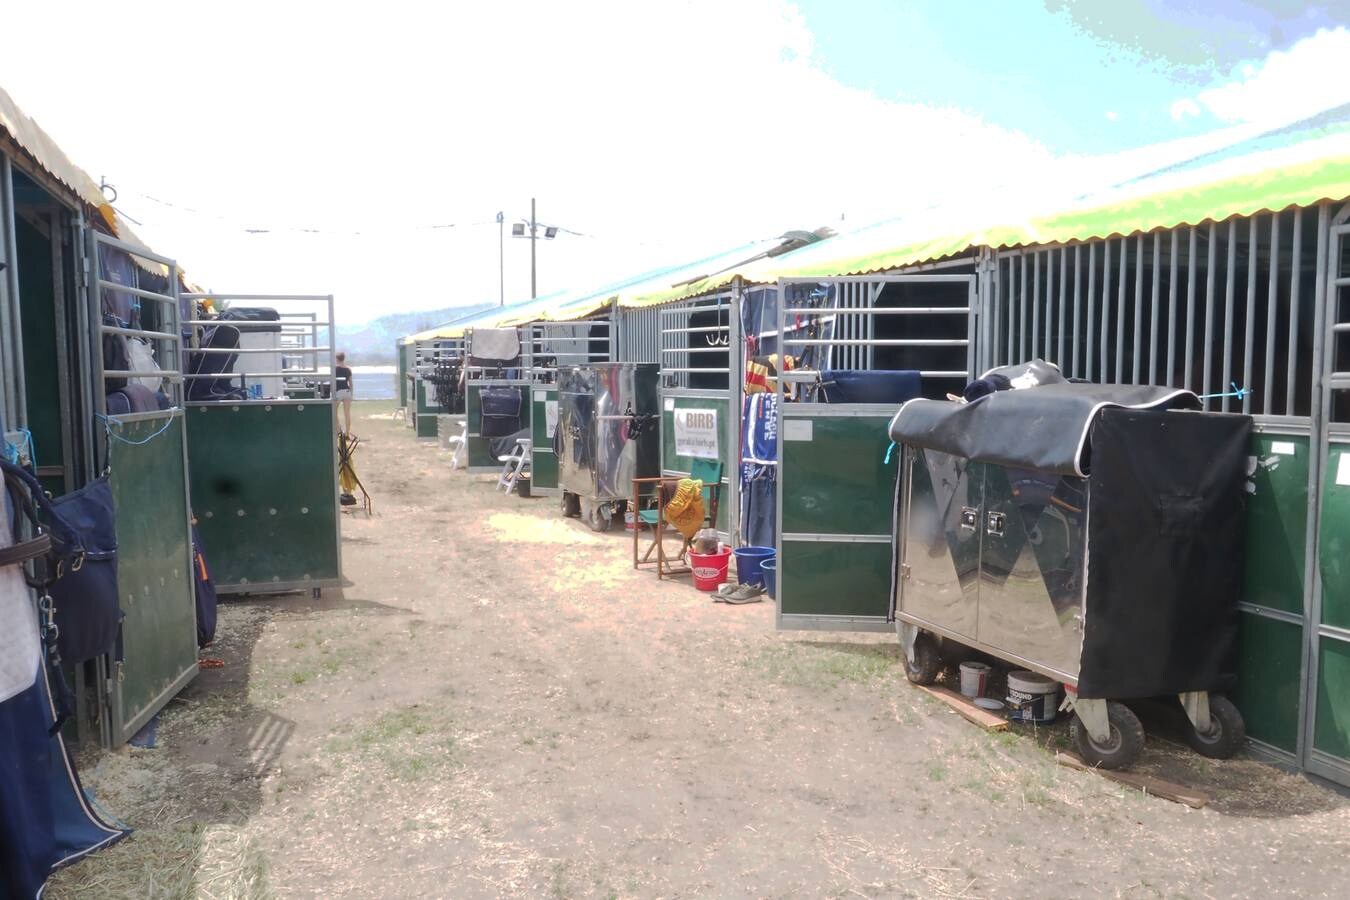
(365, 150)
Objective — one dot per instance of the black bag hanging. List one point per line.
(116, 354)
(501, 411)
(82, 576)
(205, 592)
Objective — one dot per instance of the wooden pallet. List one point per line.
(963, 706)
(1147, 783)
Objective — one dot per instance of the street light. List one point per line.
(518, 230)
(501, 259)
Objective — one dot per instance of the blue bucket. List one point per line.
(769, 571)
(749, 562)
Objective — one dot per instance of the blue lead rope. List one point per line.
(112, 422)
(1240, 393)
(889, 451)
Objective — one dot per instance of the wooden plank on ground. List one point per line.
(966, 709)
(1147, 783)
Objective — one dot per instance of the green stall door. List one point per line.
(154, 570)
(543, 418)
(1331, 732)
(836, 496)
(1270, 641)
(264, 490)
(675, 463)
(426, 412)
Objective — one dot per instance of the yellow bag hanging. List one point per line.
(685, 509)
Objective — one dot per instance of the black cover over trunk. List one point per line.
(1165, 544)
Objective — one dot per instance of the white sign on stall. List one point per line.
(696, 433)
(551, 417)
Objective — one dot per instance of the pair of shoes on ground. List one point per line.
(739, 593)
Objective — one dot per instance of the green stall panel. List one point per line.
(154, 570)
(828, 578)
(264, 490)
(426, 412)
(401, 355)
(1331, 734)
(1334, 553)
(673, 463)
(480, 450)
(836, 508)
(1270, 661)
(1277, 523)
(543, 464)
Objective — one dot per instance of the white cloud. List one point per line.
(1184, 109)
(1112, 115)
(1290, 84)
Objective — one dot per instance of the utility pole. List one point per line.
(534, 226)
(501, 259)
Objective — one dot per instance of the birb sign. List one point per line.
(696, 433)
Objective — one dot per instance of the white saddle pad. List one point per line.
(20, 653)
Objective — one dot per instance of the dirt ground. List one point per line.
(496, 704)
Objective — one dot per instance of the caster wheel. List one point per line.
(1117, 751)
(598, 520)
(927, 660)
(571, 505)
(1227, 732)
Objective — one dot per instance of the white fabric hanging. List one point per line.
(20, 652)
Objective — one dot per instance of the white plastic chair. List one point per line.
(515, 465)
(459, 444)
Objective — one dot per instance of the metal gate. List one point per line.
(1327, 725)
(837, 478)
(263, 463)
(145, 454)
(700, 375)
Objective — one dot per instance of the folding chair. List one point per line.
(709, 472)
(459, 445)
(515, 465)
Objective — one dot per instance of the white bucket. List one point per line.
(974, 678)
(1032, 697)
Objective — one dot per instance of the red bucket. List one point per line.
(710, 569)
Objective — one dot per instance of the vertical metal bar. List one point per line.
(1320, 409)
(1172, 324)
(1211, 261)
(1153, 310)
(1248, 351)
(1090, 339)
(736, 394)
(1138, 308)
(17, 394)
(1021, 309)
(1120, 311)
(972, 298)
(1295, 269)
(1229, 288)
(1106, 311)
(1035, 304)
(1047, 349)
(1077, 304)
(1063, 299)
(1009, 303)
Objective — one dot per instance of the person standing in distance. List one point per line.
(342, 390)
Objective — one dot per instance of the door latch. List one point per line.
(994, 523)
(970, 516)
(905, 571)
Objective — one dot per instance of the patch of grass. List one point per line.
(937, 772)
(821, 666)
(411, 743)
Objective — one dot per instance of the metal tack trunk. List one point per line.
(607, 435)
(1090, 533)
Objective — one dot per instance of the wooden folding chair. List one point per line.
(709, 472)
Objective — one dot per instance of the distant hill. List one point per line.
(372, 344)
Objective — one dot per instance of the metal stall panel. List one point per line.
(154, 571)
(146, 457)
(264, 471)
(426, 411)
(401, 355)
(543, 424)
(1329, 731)
(836, 494)
(1271, 630)
(263, 478)
(837, 470)
(675, 402)
(481, 458)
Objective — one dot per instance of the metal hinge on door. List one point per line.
(995, 522)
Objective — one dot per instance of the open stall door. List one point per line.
(837, 473)
(145, 453)
(262, 444)
(1328, 726)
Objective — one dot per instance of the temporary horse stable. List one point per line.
(1228, 275)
